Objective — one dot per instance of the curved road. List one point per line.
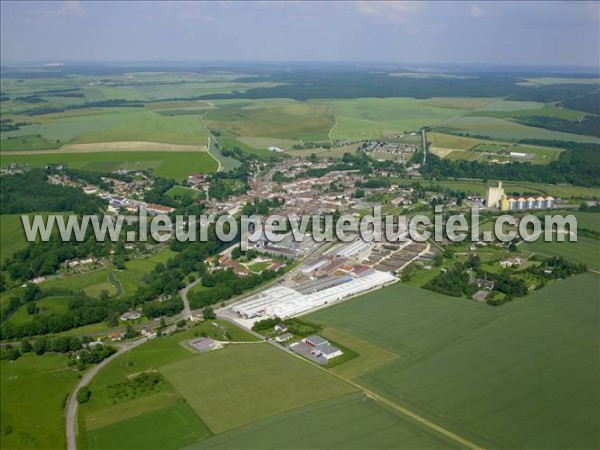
(72, 404)
(187, 312)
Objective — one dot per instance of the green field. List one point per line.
(281, 119)
(585, 250)
(349, 422)
(135, 269)
(522, 375)
(48, 305)
(498, 128)
(247, 382)
(12, 237)
(113, 124)
(368, 118)
(182, 191)
(170, 164)
(34, 390)
(171, 427)
(90, 282)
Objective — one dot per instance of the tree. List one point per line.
(512, 247)
(26, 346)
(181, 323)
(208, 313)
(163, 322)
(438, 260)
(83, 395)
(11, 354)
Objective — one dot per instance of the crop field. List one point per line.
(247, 382)
(34, 389)
(349, 422)
(504, 129)
(168, 428)
(177, 165)
(585, 250)
(282, 119)
(368, 118)
(113, 124)
(521, 375)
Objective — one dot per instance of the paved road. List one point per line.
(72, 404)
(187, 312)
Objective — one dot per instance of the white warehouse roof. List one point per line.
(285, 302)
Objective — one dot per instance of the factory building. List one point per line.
(284, 302)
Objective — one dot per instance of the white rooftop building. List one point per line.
(285, 302)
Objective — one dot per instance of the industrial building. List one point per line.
(284, 302)
(496, 198)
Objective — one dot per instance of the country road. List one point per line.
(85, 380)
(187, 312)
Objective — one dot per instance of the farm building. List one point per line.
(314, 341)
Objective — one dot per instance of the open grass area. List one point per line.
(48, 305)
(244, 383)
(135, 269)
(177, 165)
(368, 118)
(168, 428)
(87, 282)
(34, 390)
(183, 191)
(349, 422)
(524, 375)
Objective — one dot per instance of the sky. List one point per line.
(484, 32)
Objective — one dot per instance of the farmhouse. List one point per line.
(284, 337)
(510, 262)
(281, 327)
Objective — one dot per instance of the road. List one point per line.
(210, 141)
(187, 312)
(71, 412)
